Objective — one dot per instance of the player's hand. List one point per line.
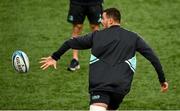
(46, 62)
(164, 87)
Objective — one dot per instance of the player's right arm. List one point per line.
(80, 43)
(47, 61)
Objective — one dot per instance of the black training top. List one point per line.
(86, 2)
(113, 60)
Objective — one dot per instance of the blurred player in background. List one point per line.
(78, 10)
(112, 63)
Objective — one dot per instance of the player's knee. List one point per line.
(77, 28)
(94, 27)
(97, 108)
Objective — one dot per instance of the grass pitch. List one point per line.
(38, 27)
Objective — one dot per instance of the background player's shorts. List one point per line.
(113, 100)
(77, 14)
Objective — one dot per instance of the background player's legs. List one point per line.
(77, 29)
(76, 16)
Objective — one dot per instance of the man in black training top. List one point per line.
(112, 63)
(78, 10)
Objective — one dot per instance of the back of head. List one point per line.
(113, 13)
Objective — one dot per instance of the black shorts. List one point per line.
(113, 100)
(77, 14)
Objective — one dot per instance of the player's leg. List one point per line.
(94, 16)
(76, 16)
(77, 29)
(103, 100)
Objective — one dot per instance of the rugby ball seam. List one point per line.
(24, 61)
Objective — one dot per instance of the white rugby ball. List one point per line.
(20, 61)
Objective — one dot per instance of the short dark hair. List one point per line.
(113, 13)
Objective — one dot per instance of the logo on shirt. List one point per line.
(100, 18)
(95, 97)
(70, 18)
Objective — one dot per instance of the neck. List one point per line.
(114, 24)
